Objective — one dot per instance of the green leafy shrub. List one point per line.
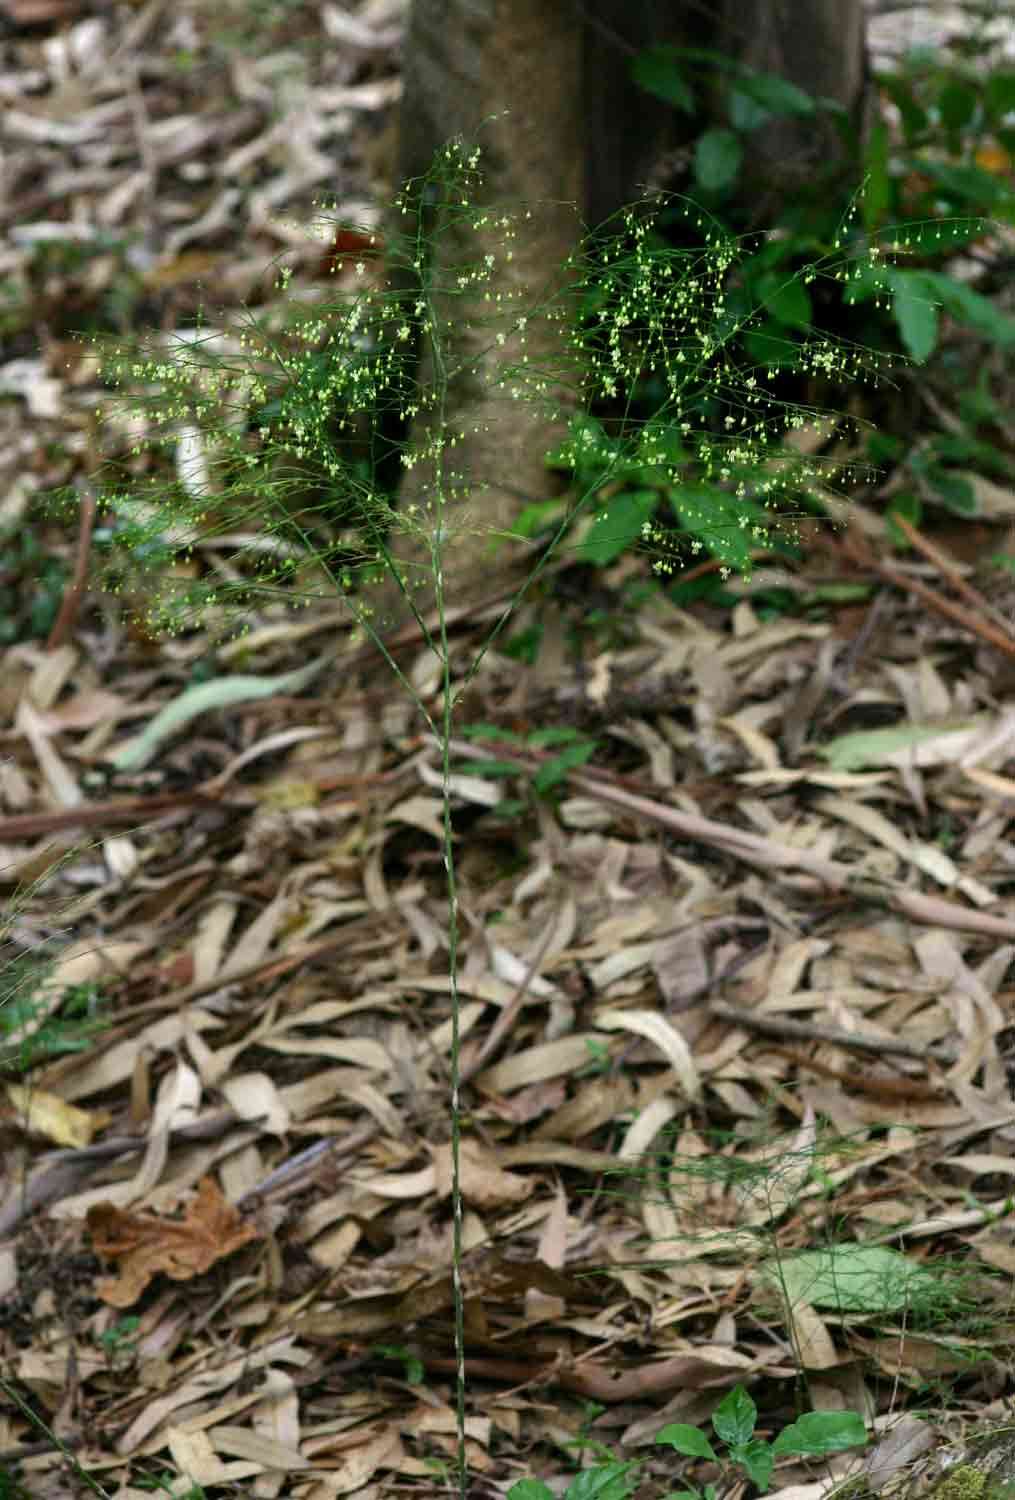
(938, 161)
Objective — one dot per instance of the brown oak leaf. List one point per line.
(147, 1243)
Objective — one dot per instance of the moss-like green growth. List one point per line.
(964, 1482)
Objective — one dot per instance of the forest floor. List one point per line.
(736, 993)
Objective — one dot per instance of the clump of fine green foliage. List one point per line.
(258, 464)
(718, 465)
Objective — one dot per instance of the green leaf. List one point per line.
(878, 747)
(221, 692)
(953, 490)
(554, 771)
(511, 807)
(957, 104)
(530, 1489)
(717, 159)
(877, 191)
(864, 282)
(786, 299)
(819, 1432)
(776, 95)
(524, 644)
(586, 449)
(657, 71)
(533, 518)
(554, 735)
(757, 1461)
(735, 1417)
(908, 506)
(744, 112)
(690, 1441)
(970, 307)
(660, 443)
(853, 1278)
(999, 94)
(971, 185)
(769, 346)
(724, 523)
(839, 593)
(618, 526)
(604, 1482)
(488, 732)
(900, 90)
(962, 447)
(915, 313)
(414, 1371)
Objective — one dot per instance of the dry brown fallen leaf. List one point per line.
(39, 12)
(147, 1243)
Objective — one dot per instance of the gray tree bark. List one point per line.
(819, 46)
(505, 75)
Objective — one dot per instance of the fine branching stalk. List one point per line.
(253, 469)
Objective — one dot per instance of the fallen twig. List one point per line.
(509, 1014)
(75, 590)
(809, 1031)
(768, 853)
(950, 570)
(987, 631)
(130, 810)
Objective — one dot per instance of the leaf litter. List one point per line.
(735, 1006)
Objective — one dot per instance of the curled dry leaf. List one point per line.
(667, 1038)
(485, 1184)
(147, 1243)
(48, 1115)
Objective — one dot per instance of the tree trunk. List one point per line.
(504, 75)
(627, 129)
(820, 47)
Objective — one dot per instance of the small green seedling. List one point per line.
(166, 1482)
(414, 1371)
(118, 1341)
(612, 1481)
(813, 1435)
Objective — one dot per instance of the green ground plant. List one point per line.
(813, 1435)
(724, 1197)
(253, 468)
(939, 154)
(38, 1020)
(263, 459)
(723, 1200)
(34, 578)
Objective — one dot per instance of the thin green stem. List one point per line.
(38, 1422)
(446, 731)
